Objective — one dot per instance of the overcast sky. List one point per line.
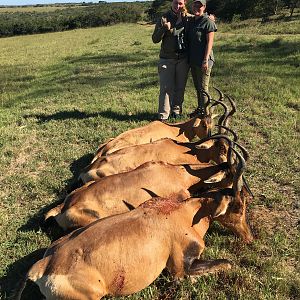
(27, 2)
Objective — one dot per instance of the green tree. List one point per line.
(292, 4)
(157, 8)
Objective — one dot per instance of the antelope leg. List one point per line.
(202, 267)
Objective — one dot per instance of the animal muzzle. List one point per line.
(246, 234)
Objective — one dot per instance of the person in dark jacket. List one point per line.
(200, 34)
(173, 64)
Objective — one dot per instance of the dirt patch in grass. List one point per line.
(272, 220)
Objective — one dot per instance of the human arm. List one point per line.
(160, 29)
(209, 45)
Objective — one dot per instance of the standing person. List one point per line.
(200, 34)
(173, 64)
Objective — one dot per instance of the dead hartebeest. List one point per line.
(182, 131)
(123, 254)
(166, 150)
(115, 193)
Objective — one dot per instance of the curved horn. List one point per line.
(230, 143)
(208, 101)
(233, 110)
(247, 186)
(221, 95)
(238, 176)
(216, 137)
(235, 137)
(243, 149)
(224, 116)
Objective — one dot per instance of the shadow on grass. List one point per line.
(62, 115)
(138, 58)
(76, 114)
(11, 282)
(76, 168)
(37, 223)
(50, 227)
(93, 70)
(99, 71)
(276, 54)
(143, 116)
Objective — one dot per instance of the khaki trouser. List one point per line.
(201, 82)
(173, 74)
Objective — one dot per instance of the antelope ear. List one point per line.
(222, 207)
(238, 203)
(216, 177)
(214, 116)
(196, 123)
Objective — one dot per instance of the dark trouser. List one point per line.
(201, 82)
(173, 74)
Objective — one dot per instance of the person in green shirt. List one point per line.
(173, 64)
(200, 35)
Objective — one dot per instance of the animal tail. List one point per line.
(54, 211)
(34, 273)
(20, 289)
(100, 149)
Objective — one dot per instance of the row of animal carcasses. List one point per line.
(125, 252)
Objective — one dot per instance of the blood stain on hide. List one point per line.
(162, 205)
(119, 281)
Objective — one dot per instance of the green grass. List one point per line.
(282, 23)
(62, 94)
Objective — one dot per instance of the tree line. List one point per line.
(103, 14)
(92, 15)
(227, 10)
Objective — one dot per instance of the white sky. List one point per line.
(33, 2)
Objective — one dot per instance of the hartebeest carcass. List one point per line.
(114, 194)
(182, 132)
(117, 193)
(123, 254)
(166, 150)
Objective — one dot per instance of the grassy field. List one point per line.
(281, 23)
(62, 94)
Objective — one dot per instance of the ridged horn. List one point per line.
(235, 136)
(224, 116)
(243, 149)
(238, 176)
(247, 187)
(230, 143)
(233, 110)
(215, 137)
(207, 103)
(221, 95)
